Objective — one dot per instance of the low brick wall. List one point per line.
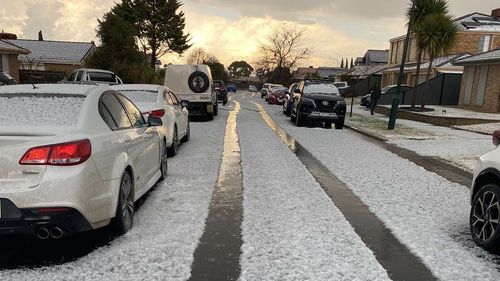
(435, 120)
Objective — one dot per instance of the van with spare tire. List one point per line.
(194, 84)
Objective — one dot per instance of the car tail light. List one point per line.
(157, 113)
(62, 154)
(496, 137)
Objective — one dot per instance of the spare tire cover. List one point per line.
(198, 82)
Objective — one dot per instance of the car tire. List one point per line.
(195, 87)
(187, 137)
(124, 217)
(216, 110)
(261, 96)
(328, 125)
(174, 148)
(339, 125)
(484, 230)
(164, 162)
(298, 120)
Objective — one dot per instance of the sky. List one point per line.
(233, 29)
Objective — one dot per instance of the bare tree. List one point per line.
(284, 48)
(198, 56)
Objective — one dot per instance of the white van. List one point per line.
(194, 84)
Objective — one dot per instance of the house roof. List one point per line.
(448, 62)
(331, 71)
(478, 21)
(378, 56)
(12, 48)
(366, 70)
(491, 56)
(57, 52)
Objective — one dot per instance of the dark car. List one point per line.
(277, 96)
(6, 79)
(388, 90)
(231, 88)
(318, 101)
(287, 105)
(220, 90)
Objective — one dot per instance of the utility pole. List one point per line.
(395, 99)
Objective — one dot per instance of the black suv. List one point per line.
(320, 101)
(220, 90)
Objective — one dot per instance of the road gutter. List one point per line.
(217, 256)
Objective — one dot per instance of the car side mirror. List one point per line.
(155, 121)
(185, 103)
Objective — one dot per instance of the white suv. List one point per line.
(485, 200)
(78, 161)
(159, 101)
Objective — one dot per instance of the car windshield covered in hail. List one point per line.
(44, 110)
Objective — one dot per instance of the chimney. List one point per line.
(496, 13)
(5, 35)
(40, 36)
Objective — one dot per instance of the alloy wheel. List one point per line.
(127, 199)
(485, 216)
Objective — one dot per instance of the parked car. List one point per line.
(159, 101)
(319, 101)
(342, 86)
(87, 75)
(221, 91)
(287, 104)
(485, 200)
(194, 84)
(77, 162)
(231, 88)
(6, 79)
(277, 96)
(252, 88)
(388, 90)
(263, 90)
(271, 88)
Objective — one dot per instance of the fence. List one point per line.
(40, 77)
(444, 89)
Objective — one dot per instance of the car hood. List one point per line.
(323, 97)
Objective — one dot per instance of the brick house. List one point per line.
(480, 89)
(51, 59)
(477, 33)
(9, 54)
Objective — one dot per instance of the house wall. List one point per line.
(66, 68)
(14, 67)
(492, 93)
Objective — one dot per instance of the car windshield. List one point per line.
(29, 110)
(141, 96)
(321, 88)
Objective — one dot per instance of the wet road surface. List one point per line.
(218, 253)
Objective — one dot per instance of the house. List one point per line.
(304, 72)
(374, 57)
(480, 89)
(477, 33)
(329, 72)
(9, 54)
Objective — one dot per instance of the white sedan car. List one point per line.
(73, 158)
(159, 101)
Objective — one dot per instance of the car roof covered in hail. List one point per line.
(137, 87)
(63, 89)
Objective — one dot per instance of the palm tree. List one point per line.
(438, 33)
(422, 9)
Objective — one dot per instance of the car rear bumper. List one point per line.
(322, 117)
(28, 221)
(200, 108)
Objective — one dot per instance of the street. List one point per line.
(294, 221)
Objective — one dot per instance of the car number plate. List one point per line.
(323, 114)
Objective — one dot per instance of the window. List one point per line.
(101, 77)
(134, 113)
(484, 43)
(72, 76)
(115, 112)
(79, 76)
(167, 98)
(175, 101)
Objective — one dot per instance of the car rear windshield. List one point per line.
(40, 110)
(321, 88)
(102, 77)
(141, 96)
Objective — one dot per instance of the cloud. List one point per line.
(42, 15)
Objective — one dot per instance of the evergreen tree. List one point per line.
(342, 64)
